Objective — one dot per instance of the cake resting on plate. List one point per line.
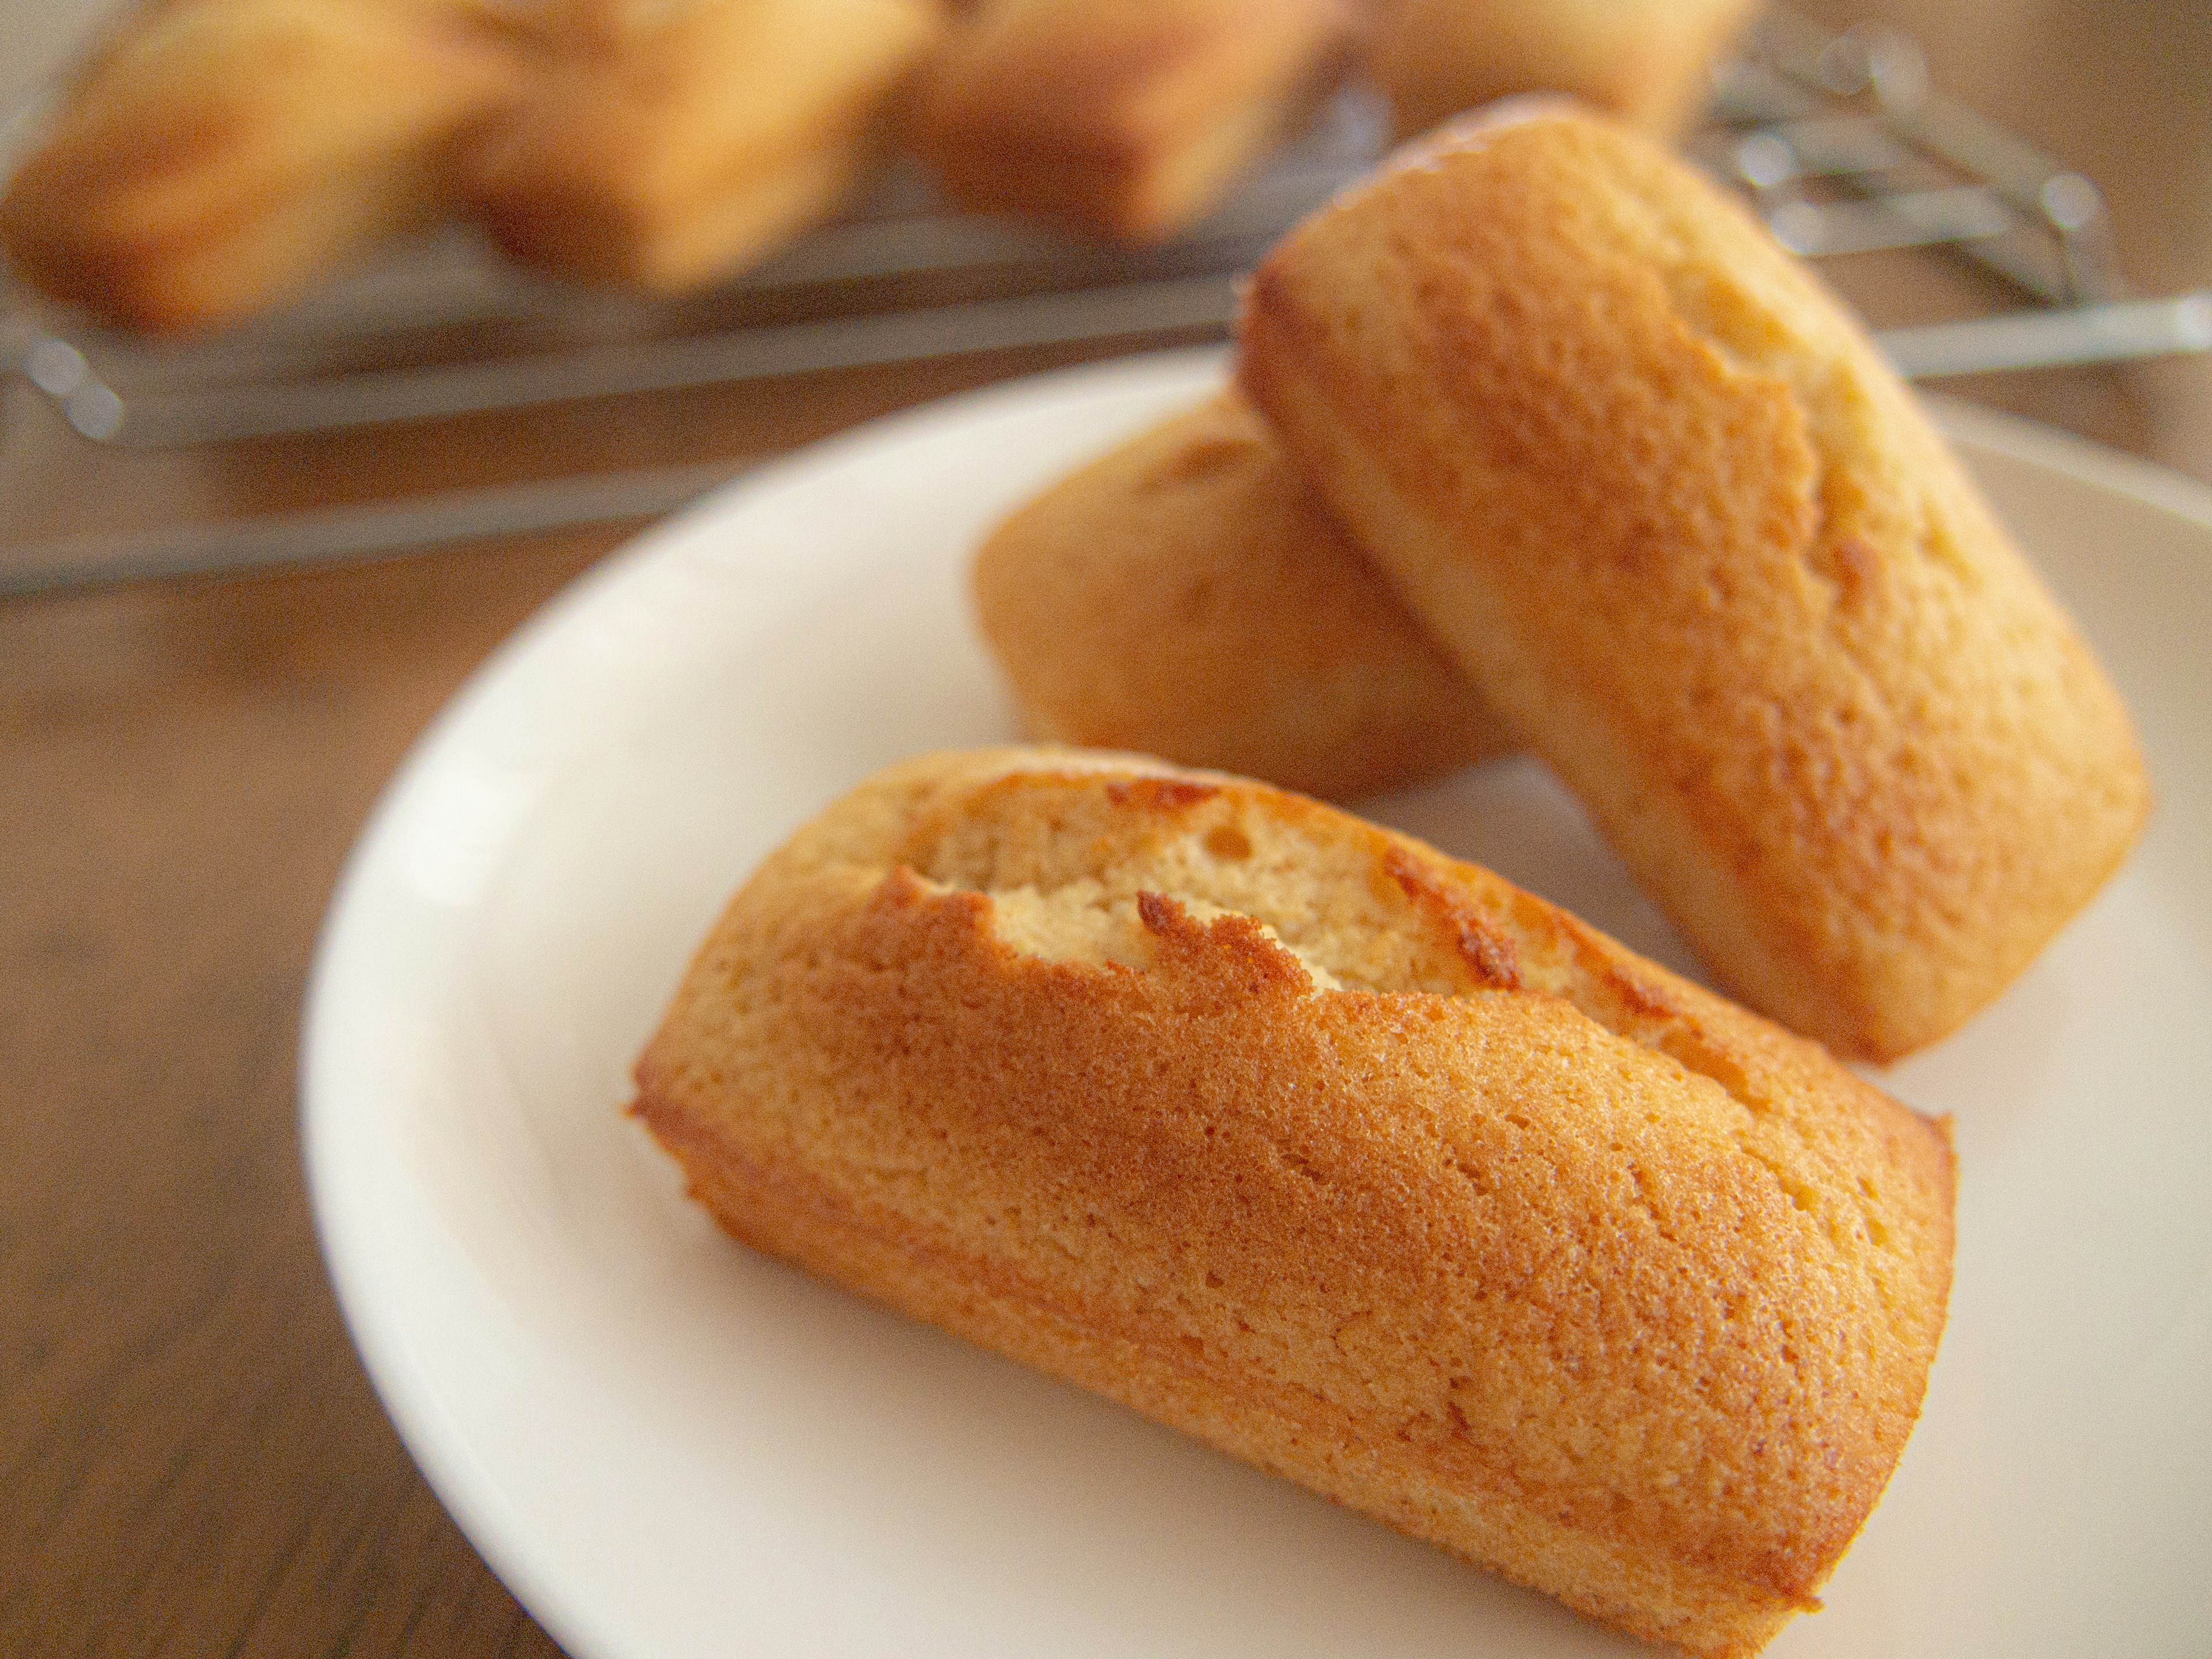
(1348, 1158)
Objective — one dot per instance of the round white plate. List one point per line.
(670, 1447)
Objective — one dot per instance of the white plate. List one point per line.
(670, 1447)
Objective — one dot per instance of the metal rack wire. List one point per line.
(1839, 141)
(1845, 147)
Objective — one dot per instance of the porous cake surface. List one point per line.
(1186, 595)
(1702, 549)
(1349, 1159)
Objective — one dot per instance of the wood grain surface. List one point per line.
(191, 1461)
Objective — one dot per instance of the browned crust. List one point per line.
(1607, 1284)
(1186, 596)
(1689, 534)
(1121, 119)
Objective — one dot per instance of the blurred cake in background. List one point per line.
(1121, 118)
(667, 144)
(1644, 61)
(220, 153)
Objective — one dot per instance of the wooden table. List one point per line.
(191, 1461)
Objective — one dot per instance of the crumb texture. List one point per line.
(1349, 1159)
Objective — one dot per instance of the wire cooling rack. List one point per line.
(1839, 141)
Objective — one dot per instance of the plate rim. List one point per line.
(440, 1450)
(2147, 483)
(376, 1325)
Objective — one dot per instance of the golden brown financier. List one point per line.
(1187, 596)
(670, 142)
(221, 153)
(1347, 1158)
(1123, 118)
(1638, 469)
(1645, 61)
